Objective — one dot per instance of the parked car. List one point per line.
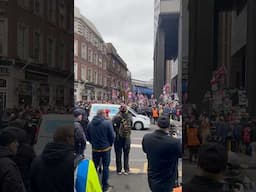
(138, 121)
(49, 123)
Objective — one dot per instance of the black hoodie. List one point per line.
(10, 177)
(53, 170)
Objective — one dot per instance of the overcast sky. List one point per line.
(129, 26)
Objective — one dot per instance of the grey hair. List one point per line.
(100, 112)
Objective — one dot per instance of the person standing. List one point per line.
(155, 114)
(53, 170)
(122, 125)
(162, 152)
(80, 138)
(193, 142)
(11, 180)
(101, 135)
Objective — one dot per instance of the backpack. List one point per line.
(124, 129)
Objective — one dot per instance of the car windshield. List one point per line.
(131, 110)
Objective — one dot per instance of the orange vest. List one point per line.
(192, 136)
(154, 112)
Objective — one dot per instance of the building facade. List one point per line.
(100, 73)
(119, 77)
(166, 23)
(227, 41)
(36, 61)
(90, 61)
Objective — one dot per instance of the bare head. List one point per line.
(101, 112)
(64, 134)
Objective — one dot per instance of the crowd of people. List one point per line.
(104, 133)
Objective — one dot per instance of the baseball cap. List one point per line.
(163, 122)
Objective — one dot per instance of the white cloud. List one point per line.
(129, 26)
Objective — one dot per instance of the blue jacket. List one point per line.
(100, 133)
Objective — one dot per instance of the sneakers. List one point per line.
(126, 173)
(108, 189)
(119, 173)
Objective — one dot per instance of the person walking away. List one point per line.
(11, 180)
(53, 170)
(155, 114)
(212, 162)
(101, 135)
(193, 142)
(86, 177)
(80, 138)
(162, 152)
(122, 125)
(205, 129)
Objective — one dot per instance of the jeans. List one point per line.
(104, 158)
(122, 145)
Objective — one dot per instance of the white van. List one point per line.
(138, 121)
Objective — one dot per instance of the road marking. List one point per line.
(136, 146)
(145, 167)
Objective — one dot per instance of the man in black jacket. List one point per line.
(162, 152)
(10, 177)
(53, 170)
(80, 137)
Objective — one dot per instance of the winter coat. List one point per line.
(53, 170)
(100, 133)
(162, 153)
(10, 177)
(80, 138)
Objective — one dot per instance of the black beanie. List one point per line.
(163, 122)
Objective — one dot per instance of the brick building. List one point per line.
(36, 57)
(100, 72)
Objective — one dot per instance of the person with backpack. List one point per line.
(122, 123)
(155, 114)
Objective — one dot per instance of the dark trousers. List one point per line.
(155, 120)
(122, 145)
(193, 151)
(104, 159)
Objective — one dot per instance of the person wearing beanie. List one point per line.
(162, 152)
(80, 137)
(11, 180)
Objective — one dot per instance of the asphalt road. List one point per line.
(136, 181)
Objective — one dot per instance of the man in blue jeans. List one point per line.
(101, 135)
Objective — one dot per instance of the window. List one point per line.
(94, 77)
(89, 75)
(75, 71)
(50, 52)
(3, 37)
(23, 3)
(104, 64)
(83, 73)
(84, 51)
(22, 41)
(100, 79)
(100, 61)
(90, 55)
(62, 56)
(113, 63)
(76, 48)
(105, 82)
(51, 10)
(37, 40)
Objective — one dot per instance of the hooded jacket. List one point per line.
(53, 170)
(10, 177)
(100, 133)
